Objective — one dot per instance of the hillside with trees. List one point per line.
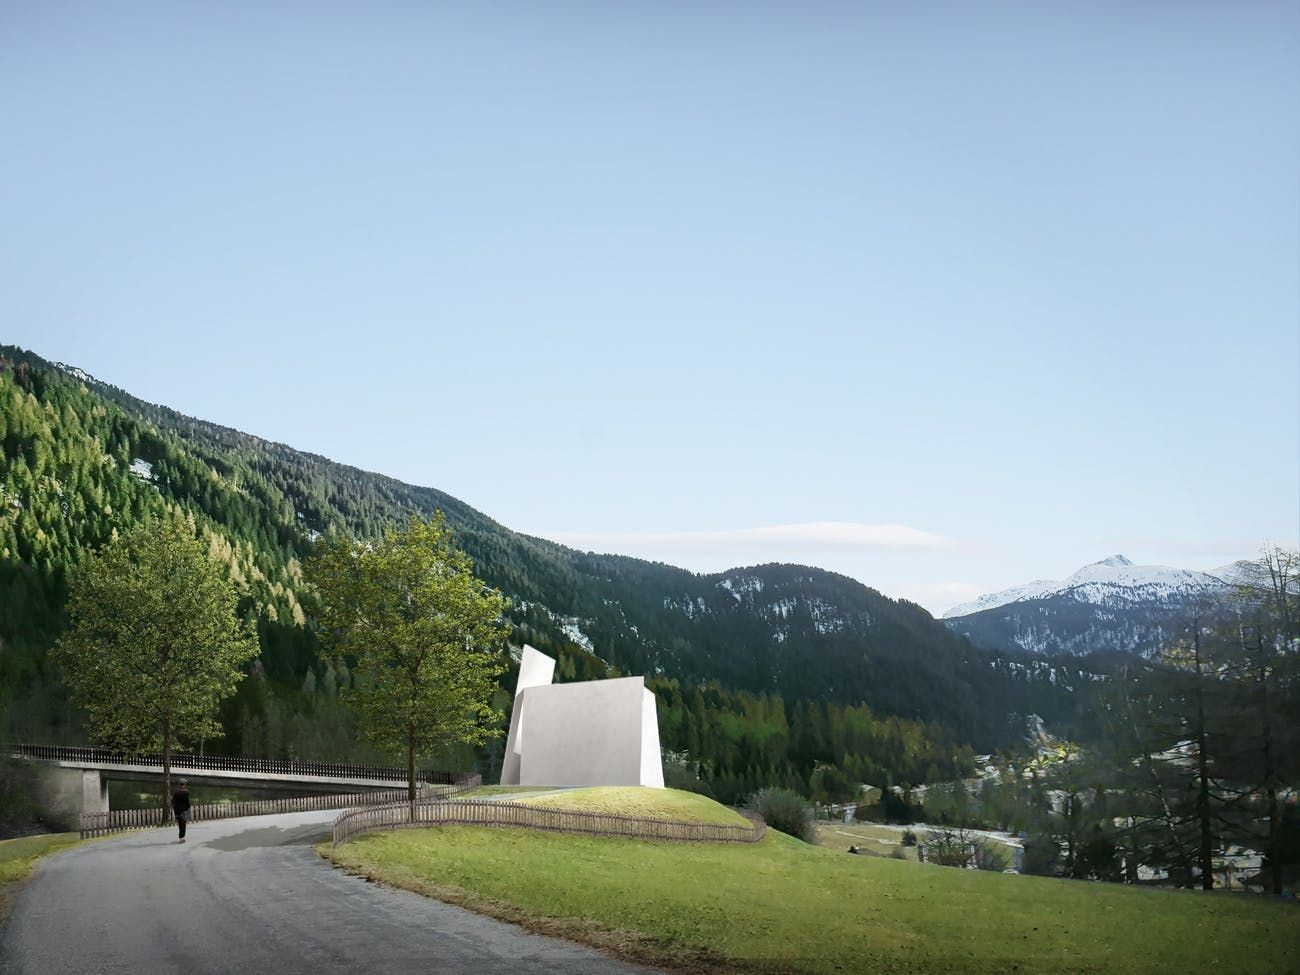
(775, 674)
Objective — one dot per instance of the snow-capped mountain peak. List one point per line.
(1115, 561)
(1108, 605)
(1115, 579)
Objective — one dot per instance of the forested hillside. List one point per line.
(777, 673)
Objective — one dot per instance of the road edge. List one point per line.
(622, 944)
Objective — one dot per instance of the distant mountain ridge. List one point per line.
(1115, 576)
(1111, 605)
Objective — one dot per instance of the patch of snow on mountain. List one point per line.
(142, 469)
(570, 628)
(81, 374)
(741, 586)
(826, 618)
(691, 607)
(781, 608)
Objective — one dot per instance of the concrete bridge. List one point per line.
(72, 780)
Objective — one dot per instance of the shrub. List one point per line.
(948, 847)
(1042, 856)
(899, 808)
(898, 853)
(909, 838)
(991, 856)
(785, 810)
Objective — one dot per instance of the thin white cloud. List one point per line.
(939, 596)
(773, 539)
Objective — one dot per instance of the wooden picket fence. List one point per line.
(120, 820)
(481, 812)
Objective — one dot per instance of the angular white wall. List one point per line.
(652, 760)
(603, 732)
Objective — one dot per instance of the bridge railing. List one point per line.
(187, 761)
(121, 820)
(477, 812)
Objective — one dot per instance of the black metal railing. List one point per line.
(120, 820)
(185, 761)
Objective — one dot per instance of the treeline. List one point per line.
(732, 743)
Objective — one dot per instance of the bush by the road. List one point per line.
(785, 810)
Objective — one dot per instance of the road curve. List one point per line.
(250, 896)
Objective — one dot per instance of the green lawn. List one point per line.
(18, 857)
(487, 791)
(641, 801)
(782, 905)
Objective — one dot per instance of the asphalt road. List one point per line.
(251, 896)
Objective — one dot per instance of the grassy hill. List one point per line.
(782, 905)
(642, 801)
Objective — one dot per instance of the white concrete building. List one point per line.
(601, 732)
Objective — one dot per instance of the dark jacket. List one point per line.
(181, 801)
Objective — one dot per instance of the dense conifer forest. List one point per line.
(775, 674)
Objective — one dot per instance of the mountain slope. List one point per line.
(83, 459)
(1111, 605)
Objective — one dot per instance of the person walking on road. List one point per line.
(181, 807)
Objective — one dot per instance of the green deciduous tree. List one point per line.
(425, 634)
(154, 642)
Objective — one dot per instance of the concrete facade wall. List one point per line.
(652, 760)
(535, 670)
(582, 734)
(603, 732)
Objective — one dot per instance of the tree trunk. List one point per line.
(410, 771)
(1274, 842)
(1205, 851)
(1071, 825)
(1273, 846)
(1131, 856)
(167, 771)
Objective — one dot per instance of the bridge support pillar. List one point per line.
(94, 791)
(62, 794)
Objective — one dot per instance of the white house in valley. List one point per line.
(601, 732)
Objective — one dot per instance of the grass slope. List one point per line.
(492, 791)
(643, 801)
(782, 905)
(18, 858)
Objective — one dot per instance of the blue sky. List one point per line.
(943, 296)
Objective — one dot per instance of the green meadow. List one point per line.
(783, 905)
